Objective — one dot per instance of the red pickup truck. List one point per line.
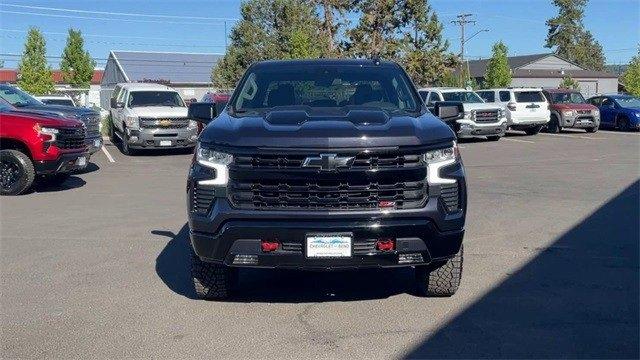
(38, 144)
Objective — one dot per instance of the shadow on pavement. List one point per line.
(72, 182)
(287, 286)
(578, 298)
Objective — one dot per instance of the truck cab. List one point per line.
(479, 120)
(150, 116)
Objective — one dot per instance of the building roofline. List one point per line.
(111, 53)
(165, 52)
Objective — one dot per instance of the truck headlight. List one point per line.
(437, 159)
(217, 161)
(596, 113)
(48, 132)
(192, 124)
(131, 121)
(568, 113)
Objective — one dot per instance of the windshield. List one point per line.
(154, 98)
(628, 102)
(17, 97)
(463, 96)
(67, 102)
(567, 98)
(324, 87)
(529, 96)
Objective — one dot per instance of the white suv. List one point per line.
(146, 116)
(480, 119)
(527, 108)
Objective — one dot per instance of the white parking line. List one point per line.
(106, 153)
(518, 140)
(575, 136)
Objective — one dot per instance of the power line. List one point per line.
(118, 13)
(97, 35)
(107, 19)
(130, 43)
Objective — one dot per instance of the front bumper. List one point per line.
(93, 144)
(162, 138)
(580, 122)
(67, 162)
(224, 233)
(468, 129)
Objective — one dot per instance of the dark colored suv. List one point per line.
(325, 165)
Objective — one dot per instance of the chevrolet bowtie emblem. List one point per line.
(328, 162)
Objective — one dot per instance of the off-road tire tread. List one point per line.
(29, 171)
(211, 281)
(442, 281)
(533, 130)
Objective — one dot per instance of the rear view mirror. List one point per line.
(202, 112)
(448, 110)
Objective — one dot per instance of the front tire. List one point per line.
(623, 124)
(441, 280)
(212, 281)
(493, 138)
(553, 126)
(124, 145)
(533, 130)
(591, 130)
(16, 172)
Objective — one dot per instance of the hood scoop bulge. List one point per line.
(299, 117)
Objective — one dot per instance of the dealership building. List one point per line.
(188, 73)
(547, 71)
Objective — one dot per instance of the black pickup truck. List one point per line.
(325, 165)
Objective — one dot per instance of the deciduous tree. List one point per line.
(631, 77)
(498, 72)
(569, 83)
(34, 72)
(76, 64)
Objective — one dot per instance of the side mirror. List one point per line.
(202, 112)
(116, 105)
(448, 110)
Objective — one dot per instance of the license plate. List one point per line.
(165, 142)
(97, 143)
(328, 246)
(81, 161)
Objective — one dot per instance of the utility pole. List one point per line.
(462, 21)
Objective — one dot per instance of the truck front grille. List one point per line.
(164, 123)
(487, 116)
(583, 112)
(92, 121)
(70, 138)
(363, 160)
(375, 180)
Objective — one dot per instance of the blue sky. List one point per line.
(196, 25)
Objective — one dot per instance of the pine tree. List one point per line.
(333, 12)
(423, 50)
(375, 35)
(498, 71)
(568, 35)
(631, 77)
(270, 29)
(76, 64)
(34, 73)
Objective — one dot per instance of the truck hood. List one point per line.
(45, 118)
(352, 129)
(157, 112)
(66, 111)
(480, 106)
(574, 107)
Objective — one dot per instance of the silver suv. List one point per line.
(150, 116)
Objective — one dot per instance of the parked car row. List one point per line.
(490, 112)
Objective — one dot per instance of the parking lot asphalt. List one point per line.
(98, 268)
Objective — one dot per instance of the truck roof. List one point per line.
(352, 62)
(514, 89)
(145, 86)
(443, 89)
(557, 90)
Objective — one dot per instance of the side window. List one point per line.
(433, 97)
(487, 96)
(505, 96)
(607, 103)
(595, 101)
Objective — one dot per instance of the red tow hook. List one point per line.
(386, 244)
(269, 245)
